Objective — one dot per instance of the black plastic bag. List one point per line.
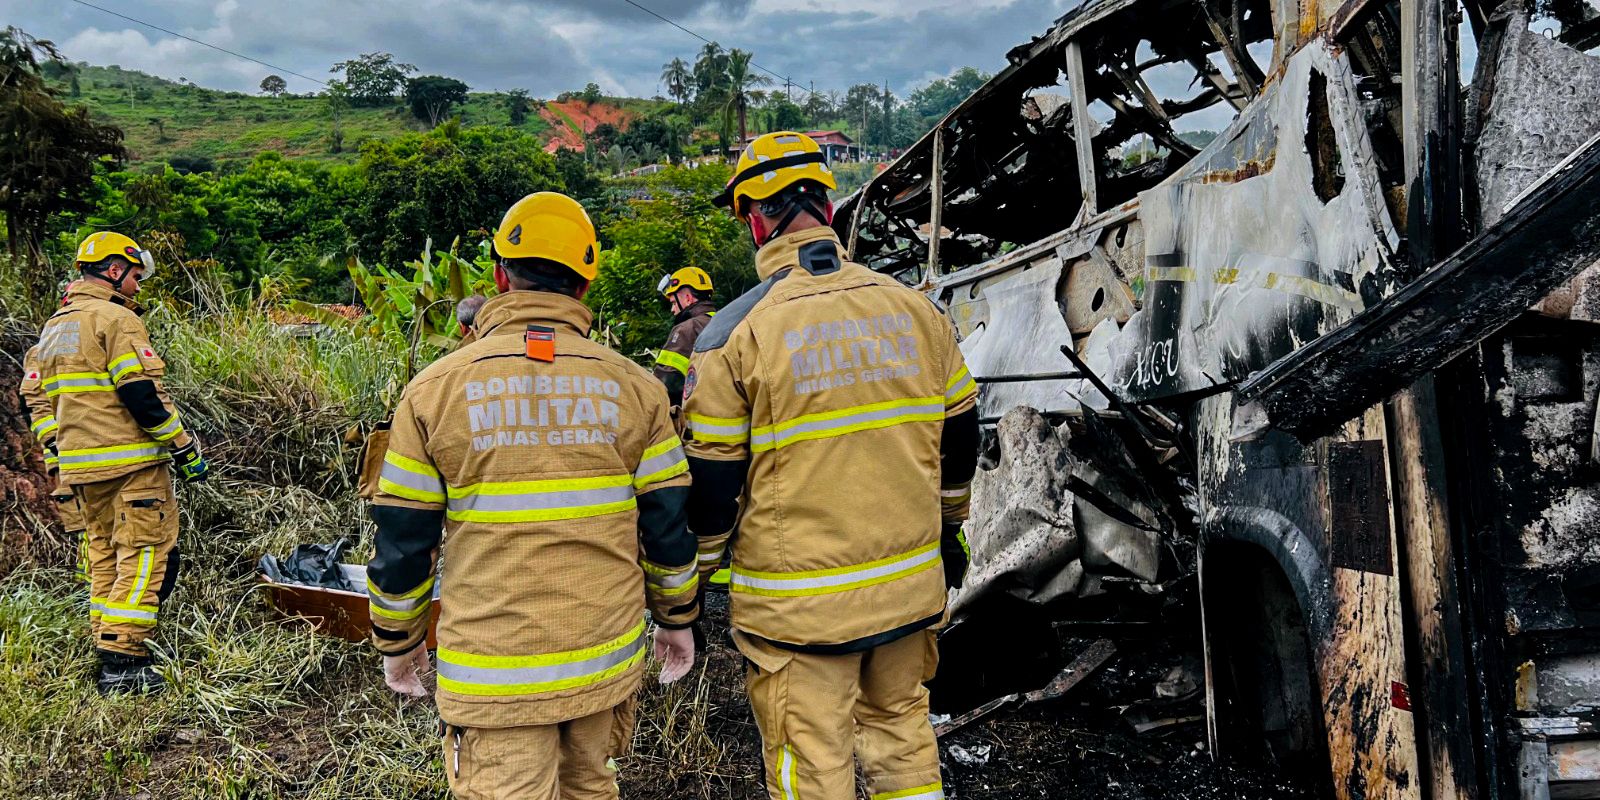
(310, 565)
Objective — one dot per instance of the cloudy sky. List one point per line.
(544, 46)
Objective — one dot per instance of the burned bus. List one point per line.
(1341, 356)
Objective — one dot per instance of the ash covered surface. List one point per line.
(1081, 746)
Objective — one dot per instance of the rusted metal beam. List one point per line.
(1082, 129)
(1550, 235)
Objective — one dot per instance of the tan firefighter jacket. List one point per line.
(93, 389)
(823, 393)
(553, 467)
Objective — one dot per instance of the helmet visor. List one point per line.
(147, 260)
(666, 283)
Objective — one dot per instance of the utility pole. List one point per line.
(886, 124)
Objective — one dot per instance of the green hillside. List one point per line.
(166, 120)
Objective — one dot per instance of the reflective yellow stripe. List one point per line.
(166, 431)
(141, 581)
(837, 579)
(786, 773)
(45, 427)
(720, 430)
(541, 501)
(406, 606)
(669, 582)
(124, 364)
(959, 387)
(97, 457)
(131, 613)
(828, 424)
(932, 791)
(411, 479)
(661, 462)
(499, 676)
(677, 361)
(74, 382)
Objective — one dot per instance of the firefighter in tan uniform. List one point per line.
(837, 403)
(551, 466)
(689, 292)
(93, 390)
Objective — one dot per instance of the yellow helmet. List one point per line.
(772, 163)
(693, 277)
(97, 247)
(551, 226)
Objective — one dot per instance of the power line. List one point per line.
(198, 42)
(787, 81)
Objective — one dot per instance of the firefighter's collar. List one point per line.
(515, 310)
(784, 252)
(699, 307)
(81, 288)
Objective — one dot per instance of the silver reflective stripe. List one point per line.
(542, 501)
(701, 426)
(399, 605)
(671, 581)
(167, 429)
(127, 613)
(72, 459)
(823, 583)
(960, 389)
(955, 492)
(661, 463)
(711, 558)
(515, 676)
(777, 439)
(411, 480)
(67, 383)
(935, 793)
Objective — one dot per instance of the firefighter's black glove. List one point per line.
(52, 461)
(192, 466)
(953, 549)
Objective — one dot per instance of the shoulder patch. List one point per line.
(720, 329)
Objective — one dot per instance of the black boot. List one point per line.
(125, 674)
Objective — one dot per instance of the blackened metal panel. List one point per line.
(1358, 496)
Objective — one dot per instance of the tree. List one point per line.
(442, 184)
(161, 128)
(373, 79)
(431, 97)
(337, 98)
(740, 82)
(783, 114)
(677, 78)
(48, 157)
(591, 94)
(710, 75)
(274, 85)
(932, 102)
(517, 106)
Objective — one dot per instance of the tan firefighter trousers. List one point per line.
(131, 527)
(566, 761)
(816, 711)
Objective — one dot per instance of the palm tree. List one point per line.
(710, 71)
(675, 75)
(740, 84)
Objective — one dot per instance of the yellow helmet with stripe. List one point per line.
(551, 226)
(772, 163)
(97, 247)
(692, 277)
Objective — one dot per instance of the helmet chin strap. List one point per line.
(758, 226)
